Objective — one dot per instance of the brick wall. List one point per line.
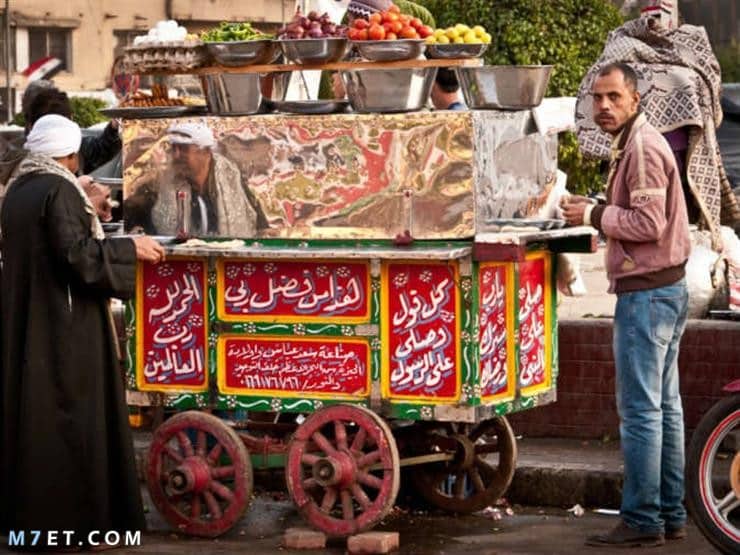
(708, 360)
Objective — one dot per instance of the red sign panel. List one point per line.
(295, 365)
(423, 340)
(173, 324)
(492, 339)
(337, 290)
(532, 322)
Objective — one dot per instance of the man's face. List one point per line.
(186, 158)
(614, 102)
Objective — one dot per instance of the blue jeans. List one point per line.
(647, 331)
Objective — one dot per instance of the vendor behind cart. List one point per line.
(207, 196)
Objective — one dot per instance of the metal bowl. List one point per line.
(244, 93)
(390, 50)
(315, 51)
(244, 52)
(388, 90)
(456, 51)
(503, 87)
(312, 107)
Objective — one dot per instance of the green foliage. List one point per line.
(85, 111)
(729, 60)
(568, 34)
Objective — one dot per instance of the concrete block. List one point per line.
(304, 538)
(373, 543)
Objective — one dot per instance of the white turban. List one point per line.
(189, 133)
(54, 136)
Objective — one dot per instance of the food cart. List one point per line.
(390, 314)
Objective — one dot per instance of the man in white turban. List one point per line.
(212, 197)
(66, 455)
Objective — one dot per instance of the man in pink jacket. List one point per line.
(647, 232)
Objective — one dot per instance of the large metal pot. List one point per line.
(244, 93)
(388, 90)
(503, 87)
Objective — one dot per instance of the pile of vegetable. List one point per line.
(232, 32)
(312, 26)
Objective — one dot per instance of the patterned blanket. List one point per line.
(680, 85)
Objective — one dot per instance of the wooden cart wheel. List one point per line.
(343, 470)
(470, 482)
(199, 474)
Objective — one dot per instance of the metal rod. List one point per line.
(8, 102)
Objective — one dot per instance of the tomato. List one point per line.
(391, 36)
(394, 9)
(390, 16)
(388, 26)
(353, 33)
(416, 23)
(375, 18)
(376, 32)
(426, 31)
(362, 34)
(396, 27)
(409, 33)
(361, 23)
(404, 19)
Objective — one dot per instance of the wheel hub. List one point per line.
(735, 475)
(465, 452)
(337, 470)
(193, 475)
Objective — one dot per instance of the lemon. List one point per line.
(443, 40)
(452, 34)
(470, 37)
(431, 39)
(462, 28)
(459, 40)
(439, 33)
(479, 30)
(486, 38)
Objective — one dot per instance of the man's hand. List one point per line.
(573, 211)
(148, 250)
(99, 196)
(575, 199)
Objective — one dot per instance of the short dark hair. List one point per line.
(48, 101)
(630, 77)
(447, 80)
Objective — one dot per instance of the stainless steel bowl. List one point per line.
(245, 52)
(390, 50)
(503, 87)
(244, 93)
(315, 51)
(388, 90)
(455, 51)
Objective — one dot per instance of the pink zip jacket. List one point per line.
(645, 219)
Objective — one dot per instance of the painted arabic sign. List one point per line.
(172, 326)
(534, 322)
(495, 338)
(285, 366)
(421, 331)
(294, 290)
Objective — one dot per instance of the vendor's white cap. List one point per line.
(188, 133)
(54, 136)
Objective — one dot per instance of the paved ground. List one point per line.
(528, 531)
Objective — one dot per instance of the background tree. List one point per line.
(569, 34)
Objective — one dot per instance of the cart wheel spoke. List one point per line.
(310, 483)
(359, 440)
(369, 480)
(361, 497)
(368, 459)
(476, 479)
(213, 507)
(214, 454)
(310, 459)
(323, 443)
(329, 499)
(348, 511)
(171, 453)
(221, 490)
(340, 435)
(458, 487)
(185, 444)
(195, 507)
(200, 448)
(221, 472)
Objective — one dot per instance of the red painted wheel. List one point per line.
(473, 479)
(343, 469)
(199, 474)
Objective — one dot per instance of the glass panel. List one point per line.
(58, 45)
(36, 45)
